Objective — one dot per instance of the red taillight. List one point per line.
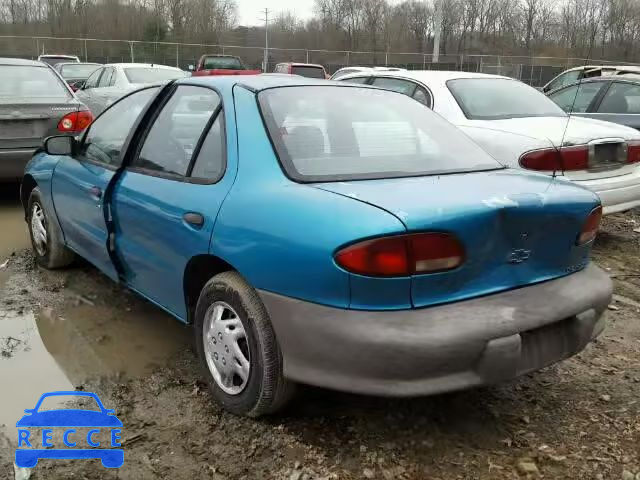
(633, 152)
(590, 227)
(550, 159)
(75, 122)
(402, 255)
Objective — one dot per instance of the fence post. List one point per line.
(177, 55)
(307, 52)
(461, 62)
(347, 58)
(424, 62)
(85, 50)
(37, 48)
(480, 65)
(386, 58)
(131, 52)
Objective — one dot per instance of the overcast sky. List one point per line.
(251, 11)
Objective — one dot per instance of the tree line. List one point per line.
(607, 29)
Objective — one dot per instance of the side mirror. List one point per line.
(191, 68)
(60, 145)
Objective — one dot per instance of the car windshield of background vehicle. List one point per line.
(55, 60)
(223, 63)
(373, 134)
(500, 98)
(78, 70)
(151, 75)
(26, 81)
(306, 71)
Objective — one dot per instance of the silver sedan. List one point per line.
(112, 81)
(522, 128)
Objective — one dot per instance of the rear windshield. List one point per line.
(342, 132)
(55, 60)
(223, 63)
(26, 81)
(306, 71)
(500, 98)
(78, 70)
(151, 75)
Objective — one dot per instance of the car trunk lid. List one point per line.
(516, 229)
(607, 140)
(25, 122)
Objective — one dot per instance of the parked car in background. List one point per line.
(348, 70)
(214, 64)
(614, 99)
(110, 82)
(310, 70)
(587, 71)
(372, 248)
(76, 73)
(34, 103)
(53, 59)
(522, 128)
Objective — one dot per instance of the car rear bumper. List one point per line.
(617, 194)
(442, 348)
(12, 162)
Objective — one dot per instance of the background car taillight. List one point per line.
(633, 152)
(402, 255)
(75, 122)
(590, 227)
(563, 159)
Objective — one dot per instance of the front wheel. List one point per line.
(46, 237)
(238, 349)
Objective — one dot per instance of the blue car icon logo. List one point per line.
(69, 419)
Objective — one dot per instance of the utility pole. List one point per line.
(438, 30)
(265, 62)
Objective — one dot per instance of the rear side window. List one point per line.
(621, 98)
(151, 75)
(27, 81)
(374, 134)
(396, 84)
(93, 79)
(210, 163)
(105, 80)
(361, 80)
(306, 71)
(175, 132)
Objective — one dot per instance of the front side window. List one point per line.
(361, 80)
(93, 79)
(500, 98)
(566, 78)
(395, 84)
(28, 81)
(176, 130)
(106, 136)
(576, 98)
(621, 98)
(374, 134)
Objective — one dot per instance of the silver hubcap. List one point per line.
(226, 348)
(39, 229)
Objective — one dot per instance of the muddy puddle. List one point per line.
(13, 229)
(61, 349)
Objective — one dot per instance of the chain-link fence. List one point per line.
(535, 71)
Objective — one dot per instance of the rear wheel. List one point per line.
(46, 237)
(238, 349)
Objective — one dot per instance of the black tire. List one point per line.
(266, 389)
(55, 254)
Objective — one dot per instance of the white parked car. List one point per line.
(523, 128)
(112, 81)
(348, 70)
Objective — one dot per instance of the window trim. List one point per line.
(144, 133)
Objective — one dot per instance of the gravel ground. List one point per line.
(576, 420)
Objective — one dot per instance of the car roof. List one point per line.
(631, 78)
(259, 82)
(635, 68)
(21, 61)
(146, 65)
(438, 76)
(301, 64)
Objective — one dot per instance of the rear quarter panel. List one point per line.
(281, 235)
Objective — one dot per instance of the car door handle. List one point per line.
(95, 192)
(194, 219)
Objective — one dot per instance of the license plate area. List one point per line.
(10, 129)
(607, 155)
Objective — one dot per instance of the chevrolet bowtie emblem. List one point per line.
(518, 256)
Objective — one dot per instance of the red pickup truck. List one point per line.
(221, 65)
